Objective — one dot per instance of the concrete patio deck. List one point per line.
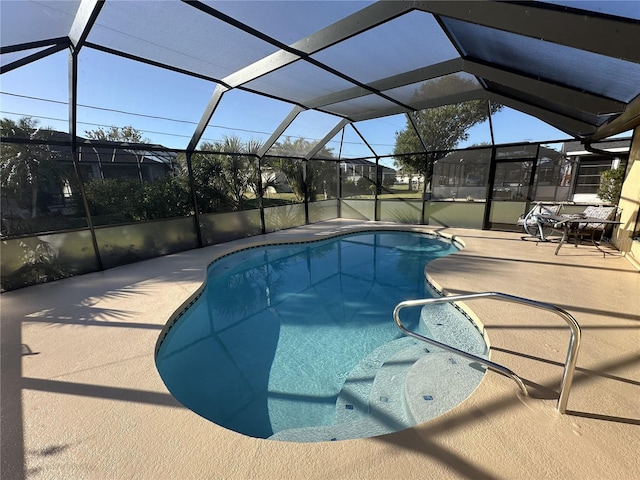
(81, 397)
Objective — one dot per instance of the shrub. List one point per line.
(611, 185)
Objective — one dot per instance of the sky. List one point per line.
(166, 106)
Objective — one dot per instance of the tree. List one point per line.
(206, 169)
(222, 179)
(127, 134)
(27, 169)
(611, 185)
(257, 183)
(238, 172)
(318, 173)
(442, 128)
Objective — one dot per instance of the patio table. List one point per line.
(570, 224)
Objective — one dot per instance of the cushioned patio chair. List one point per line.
(571, 226)
(592, 229)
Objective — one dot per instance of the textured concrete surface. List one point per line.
(81, 397)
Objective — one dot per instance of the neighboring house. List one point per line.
(122, 161)
(117, 159)
(356, 169)
(132, 162)
(569, 175)
(351, 170)
(275, 180)
(461, 174)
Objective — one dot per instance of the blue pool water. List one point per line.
(269, 345)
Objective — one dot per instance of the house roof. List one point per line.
(615, 145)
(574, 65)
(367, 163)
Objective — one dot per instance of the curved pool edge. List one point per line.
(310, 237)
(258, 241)
(461, 306)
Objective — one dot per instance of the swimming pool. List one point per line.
(297, 342)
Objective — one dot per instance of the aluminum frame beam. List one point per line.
(206, 116)
(400, 80)
(617, 38)
(431, 103)
(364, 140)
(571, 126)
(33, 57)
(350, 26)
(326, 139)
(280, 130)
(86, 16)
(629, 120)
(19, 47)
(581, 101)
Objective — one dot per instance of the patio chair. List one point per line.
(592, 229)
(572, 227)
(534, 222)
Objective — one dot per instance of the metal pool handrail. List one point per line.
(572, 353)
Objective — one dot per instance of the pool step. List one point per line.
(400, 384)
(371, 402)
(439, 382)
(444, 324)
(387, 404)
(353, 401)
(362, 428)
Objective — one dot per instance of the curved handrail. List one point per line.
(572, 353)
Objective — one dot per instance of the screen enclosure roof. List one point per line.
(572, 64)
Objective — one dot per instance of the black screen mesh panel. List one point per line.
(176, 34)
(245, 115)
(591, 72)
(554, 105)
(299, 81)
(624, 8)
(435, 88)
(37, 20)
(409, 42)
(288, 21)
(304, 133)
(366, 105)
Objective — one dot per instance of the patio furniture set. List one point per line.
(542, 220)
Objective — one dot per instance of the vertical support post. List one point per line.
(73, 134)
(263, 227)
(486, 224)
(533, 186)
(305, 192)
(492, 174)
(339, 188)
(378, 184)
(339, 176)
(426, 196)
(194, 199)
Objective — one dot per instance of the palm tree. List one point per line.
(317, 172)
(27, 168)
(232, 170)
